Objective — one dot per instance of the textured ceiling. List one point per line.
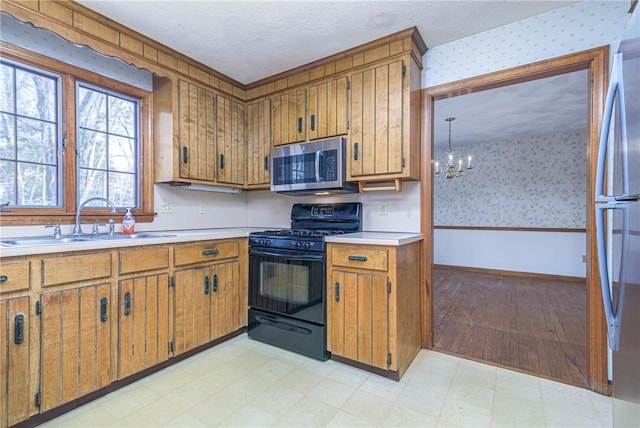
(538, 107)
(251, 40)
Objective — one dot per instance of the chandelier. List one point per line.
(451, 169)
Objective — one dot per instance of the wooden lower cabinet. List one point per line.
(373, 305)
(14, 360)
(143, 323)
(206, 304)
(75, 343)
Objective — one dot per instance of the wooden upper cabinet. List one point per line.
(289, 117)
(376, 121)
(258, 142)
(384, 136)
(196, 132)
(327, 109)
(231, 128)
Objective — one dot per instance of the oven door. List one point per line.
(288, 282)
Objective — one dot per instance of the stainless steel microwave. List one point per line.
(314, 168)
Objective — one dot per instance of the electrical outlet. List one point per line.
(384, 208)
(584, 258)
(166, 207)
(203, 208)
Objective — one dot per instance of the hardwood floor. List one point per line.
(533, 325)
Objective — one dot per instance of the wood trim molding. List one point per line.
(596, 61)
(515, 229)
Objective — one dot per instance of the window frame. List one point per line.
(65, 214)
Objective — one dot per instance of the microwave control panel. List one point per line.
(330, 165)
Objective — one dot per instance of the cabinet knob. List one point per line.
(3, 279)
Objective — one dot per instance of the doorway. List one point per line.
(595, 63)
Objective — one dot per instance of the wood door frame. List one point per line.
(596, 62)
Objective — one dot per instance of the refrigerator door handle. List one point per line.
(613, 313)
(616, 87)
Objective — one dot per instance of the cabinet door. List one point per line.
(14, 361)
(327, 109)
(288, 117)
(375, 138)
(258, 142)
(359, 317)
(143, 319)
(196, 114)
(192, 289)
(225, 317)
(230, 141)
(75, 343)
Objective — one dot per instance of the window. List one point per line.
(68, 135)
(107, 144)
(30, 125)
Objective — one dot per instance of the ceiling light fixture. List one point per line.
(452, 170)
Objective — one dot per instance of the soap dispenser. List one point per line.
(128, 223)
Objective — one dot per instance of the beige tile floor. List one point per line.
(244, 383)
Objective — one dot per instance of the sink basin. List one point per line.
(140, 235)
(43, 240)
(47, 240)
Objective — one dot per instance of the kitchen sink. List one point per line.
(42, 240)
(48, 240)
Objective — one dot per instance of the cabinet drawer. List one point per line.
(358, 257)
(62, 270)
(14, 276)
(143, 259)
(204, 252)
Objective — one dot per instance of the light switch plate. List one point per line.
(384, 208)
(203, 208)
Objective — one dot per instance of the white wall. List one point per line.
(266, 209)
(517, 251)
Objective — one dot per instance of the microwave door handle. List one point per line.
(606, 124)
(317, 167)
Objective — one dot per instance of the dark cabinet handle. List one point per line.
(18, 333)
(185, 155)
(3, 278)
(207, 285)
(127, 304)
(358, 258)
(355, 151)
(299, 125)
(215, 283)
(266, 163)
(210, 252)
(221, 161)
(337, 287)
(313, 122)
(103, 309)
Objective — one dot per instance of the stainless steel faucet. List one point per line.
(77, 228)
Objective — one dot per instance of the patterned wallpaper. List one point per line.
(47, 43)
(570, 29)
(530, 182)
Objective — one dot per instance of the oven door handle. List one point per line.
(287, 255)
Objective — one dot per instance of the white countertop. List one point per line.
(371, 238)
(177, 236)
(376, 238)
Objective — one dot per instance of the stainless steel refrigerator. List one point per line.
(618, 224)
